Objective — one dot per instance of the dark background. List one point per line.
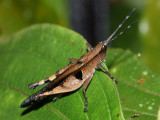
(94, 19)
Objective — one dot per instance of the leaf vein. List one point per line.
(105, 97)
(24, 93)
(141, 89)
(134, 110)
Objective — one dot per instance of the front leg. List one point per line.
(89, 47)
(72, 60)
(115, 81)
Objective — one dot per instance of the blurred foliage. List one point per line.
(150, 37)
(17, 14)
(142, 38)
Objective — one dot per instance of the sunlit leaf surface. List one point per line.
(37, 52)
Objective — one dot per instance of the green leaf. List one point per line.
(138, 86)
(37, 52)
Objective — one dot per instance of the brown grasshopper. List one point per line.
(78, 73)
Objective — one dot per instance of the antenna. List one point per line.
(110, 37)
(123, 31)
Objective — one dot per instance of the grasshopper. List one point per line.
(78, 73)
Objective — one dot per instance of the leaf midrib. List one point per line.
(24, 93)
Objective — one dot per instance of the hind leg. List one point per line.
(85, 85)
(37, 84)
